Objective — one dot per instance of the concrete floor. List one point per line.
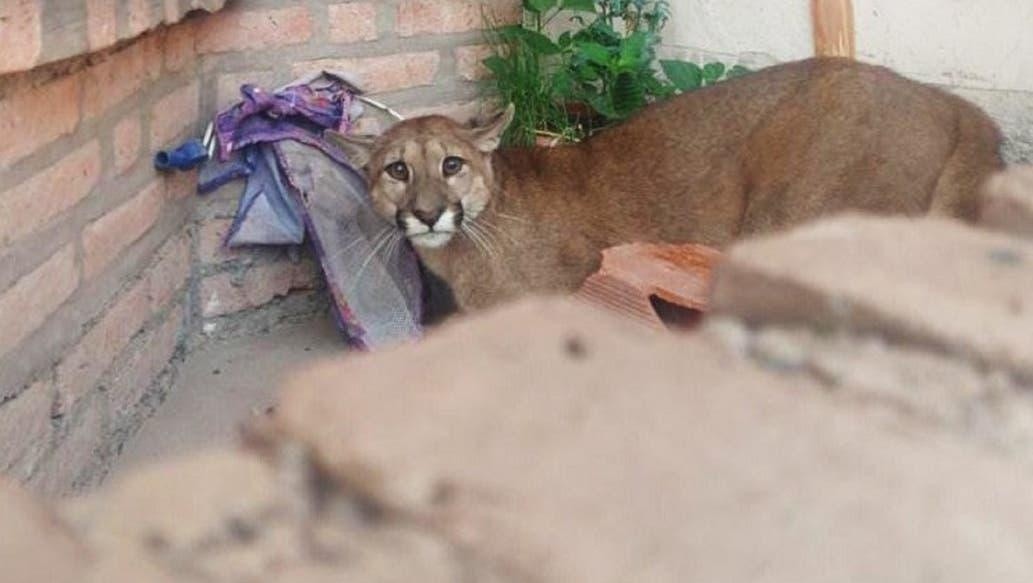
(223, 384)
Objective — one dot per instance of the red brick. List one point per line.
(74, 454)
(180, 185)
(234, 29)
(21, 28)
(141, 367)
(30, 301)
(223, 202)
(462, 111)
(380, 74)
(32, 204)
(173, 114)
(121, 75)
(101, 23)
(106, 237)
(96, 351)
(415, 17)
(140, 16)
(126, 143)
(180, 46)
(469, 60)
(169, 273)
(353, 22)
(631, 275)
(210, 238)
(25, 426)
(223, 293)
(228, 87)
(619, 297)
(36, 116)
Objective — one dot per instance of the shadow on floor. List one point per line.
(222, 384)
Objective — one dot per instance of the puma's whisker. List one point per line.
(511, 217)
(490, 243)
(478, 240)
(391, 235)
(495, 228)
(357, 241)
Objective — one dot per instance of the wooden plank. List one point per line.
(833, 28)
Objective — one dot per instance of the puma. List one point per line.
(747, 156)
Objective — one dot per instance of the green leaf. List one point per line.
(737, 71)
(594, 53)
(562, 85)
(712, 72)
(509, 32)
(685, 76)
(656, 87)
(497, 65)
(537, 41)
(633, 50)
(539, 6)
(601, 103)
(586, 74)
(599, 32)
(628, 94)
(579, 5)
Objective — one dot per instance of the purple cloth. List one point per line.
(302, 186)
(266, 214)
(299, 112)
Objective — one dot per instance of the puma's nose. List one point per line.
(428, 217)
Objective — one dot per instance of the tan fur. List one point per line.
(759, 153)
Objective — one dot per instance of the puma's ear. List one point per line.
(488, 136)
(357, 148)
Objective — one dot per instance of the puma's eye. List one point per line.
(452, 165)
(398, 171)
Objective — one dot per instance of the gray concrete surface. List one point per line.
(222, 384)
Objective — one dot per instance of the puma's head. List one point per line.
(428, 174)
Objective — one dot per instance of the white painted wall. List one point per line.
(774, 30)
(981, 44)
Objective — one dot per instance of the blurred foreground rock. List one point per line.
(1008, 201)
(857, 408)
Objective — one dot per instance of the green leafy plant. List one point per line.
(688, 76)
(611, 71)
(601, 71)
(522, 74)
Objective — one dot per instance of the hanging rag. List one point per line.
(301, 111)
(373, 277)
(300, 185)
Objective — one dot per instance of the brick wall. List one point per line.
(36, 33)
(109, 269)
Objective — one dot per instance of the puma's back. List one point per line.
(777, 148)
(758, 153)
